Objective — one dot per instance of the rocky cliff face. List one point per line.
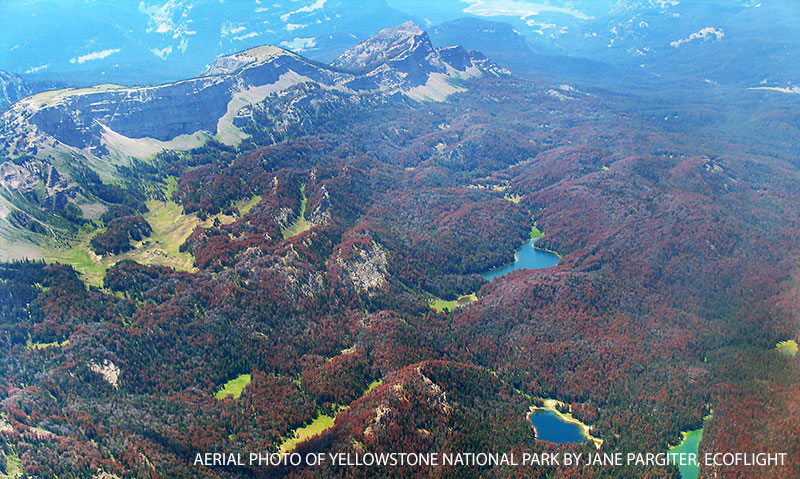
(363, 266)
(399, 45)
(400, 59)
(78, 118)
(404, 58)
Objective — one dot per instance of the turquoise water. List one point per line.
(528, 257)
(550, 427)
(690, 444)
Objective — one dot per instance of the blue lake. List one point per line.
(528, 257)
(550, 427)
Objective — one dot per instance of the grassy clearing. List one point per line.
(31, 346)
(440, 305)
(244, 206)
(319, 425)
(300, 224)
(788, 348)
(171, 227)
(372, 386)
(82, 259)
(13, 467)
(535, 233)
(234, 387)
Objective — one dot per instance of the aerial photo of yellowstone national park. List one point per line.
(450, 239)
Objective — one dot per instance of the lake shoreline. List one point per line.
(551, 405)
(533, 258)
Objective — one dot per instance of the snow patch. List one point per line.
(665, 4)
(541, 26)
(249, 35)
(162, 53)
(557, 94)
(517, 8)
(791, 90)
(37, 69)
(300, 44)
(99, 55)
(228, 28)
(161, 16)
(706, 34)
(308, 9)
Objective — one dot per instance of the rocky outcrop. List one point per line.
(361, 264)
(368, 270)
(39, 182)
(398, 45)
(5, 427)
(321, 214)
(108, 370)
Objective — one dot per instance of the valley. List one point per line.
(170, 229)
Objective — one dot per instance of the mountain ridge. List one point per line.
(105, 127)
(78, 118)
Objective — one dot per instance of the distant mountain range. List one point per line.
(143, 43)
(12, 88)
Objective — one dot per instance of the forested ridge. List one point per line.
(679, 276)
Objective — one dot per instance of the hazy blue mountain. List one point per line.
(504, 44)
(738, 42)
(12, 88)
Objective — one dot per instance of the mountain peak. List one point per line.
(230, 64)
(389, 45)
(407, 28)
